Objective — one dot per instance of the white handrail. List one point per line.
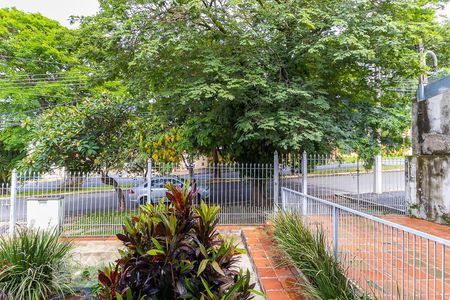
(373, 218)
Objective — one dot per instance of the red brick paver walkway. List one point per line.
(435, 229)
(390, 262)
(278, 282)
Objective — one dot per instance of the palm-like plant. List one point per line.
(322, 275)
(34, 265)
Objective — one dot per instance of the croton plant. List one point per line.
(175, 252)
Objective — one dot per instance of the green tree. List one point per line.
(89, 136)
(250, 77)
(98, 135)
(38, 70)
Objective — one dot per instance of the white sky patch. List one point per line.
(59, 10)
(444, 14)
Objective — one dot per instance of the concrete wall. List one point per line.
(428, 170)
(428, 187)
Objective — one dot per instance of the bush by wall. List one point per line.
(322, 276)
(175, 252)
(34, 265)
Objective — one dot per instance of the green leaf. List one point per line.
(217, 268)
(202, 266)
(154, 252)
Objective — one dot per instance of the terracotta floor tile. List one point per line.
(289, 283)
(277, 295)
(259, 254)
(271, 284)
(296, 296)
(278, 282)
(262, 262)
(266, 272)
(283, 272)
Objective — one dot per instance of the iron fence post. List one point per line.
(305, 182)
(149, 179)
(276, 180)
(12, 207)
(335, 233)
(357, 182)
(283, 199)
(377, 173)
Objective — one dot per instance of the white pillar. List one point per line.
(377, 175)
(305, 182)
(12, 207)
(149, 180)
(276, 180)
(305, 173)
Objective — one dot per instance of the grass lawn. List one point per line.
(104, 223)
(63, 191)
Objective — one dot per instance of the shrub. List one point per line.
(322, 275)
(34, 265)
(175, 252)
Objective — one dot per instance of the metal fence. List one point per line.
(378, 188)
(94, 205)
(5, 195)
(386, 259)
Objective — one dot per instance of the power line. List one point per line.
(5, 121)
(41, 83)
(48, 73)
(45, 79)
(34, 60)
(44, 84)
(68, 85)
(69, 95)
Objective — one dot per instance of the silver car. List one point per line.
(139, 193)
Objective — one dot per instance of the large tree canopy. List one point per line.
(254, 76)
(38, 71)
(158, 78)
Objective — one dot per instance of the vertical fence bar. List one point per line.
(149, 180)
(12, 208)
(276, 180)
(305, 173)
(377, 172)
(443, 273)
(305, 182)
(335, 232)
(283, 199)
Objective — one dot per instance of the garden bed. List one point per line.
(95, 253)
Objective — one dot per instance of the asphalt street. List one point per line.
(228, 191)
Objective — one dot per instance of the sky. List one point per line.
(61, 10)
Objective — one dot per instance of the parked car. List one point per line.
(139, 193)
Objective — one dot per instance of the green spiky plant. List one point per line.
(321, 274)
(175, 252)
(34, 265)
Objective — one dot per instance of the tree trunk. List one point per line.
(216, 162)
(73, 180)
(189, 164)
(106, 179)
(191, 173)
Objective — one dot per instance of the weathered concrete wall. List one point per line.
(431, 129)
(429, 187)
(428, 170)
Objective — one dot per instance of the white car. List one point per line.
(139, 193)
